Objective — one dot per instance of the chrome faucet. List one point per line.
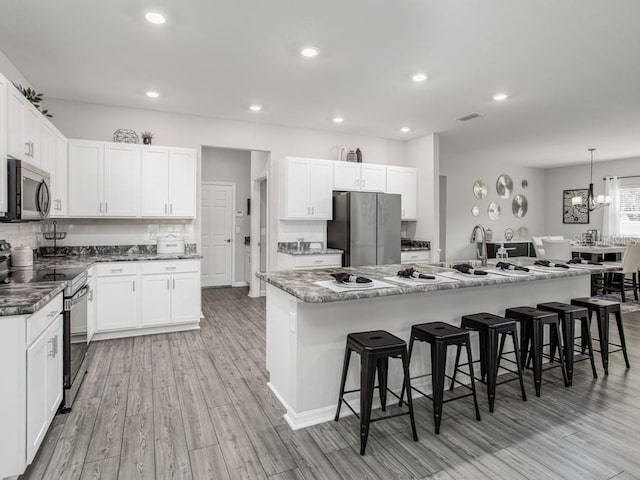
(482, 256)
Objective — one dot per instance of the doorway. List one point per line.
(218, 227)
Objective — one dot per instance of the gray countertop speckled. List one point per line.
(301, 283)
(27, 298)
(318, 251)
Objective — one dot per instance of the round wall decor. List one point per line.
(504, 186)
(475, 211)
(494, 211)
(480, 189)
(519, 206)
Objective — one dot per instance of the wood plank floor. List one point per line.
(195, 405)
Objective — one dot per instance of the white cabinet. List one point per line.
(3, 144)
(44, 384)
(156, 299)
(154, 186)
(307, 192)
(86, 167)
(404, 181)
(308, 262)
(414, 256)
(92, 281)
(23, 128)
(182, 182)
(121, 180)
(185, 297)
(117, 302)
(53, 159)
(359, 177)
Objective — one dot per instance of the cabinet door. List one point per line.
(346, 176)
(54, 368)
(185, 297)
(156, 300)
(122, 180)
(154, 189)
(410, 195)
(32, 121)
(296, 189)
(86, 163)
(48, 157)
(91, 305)
(36, 394)
(117, 303)
(4, 85)
(374, 178)
(320, 189)
(17, 146)
(182, 182)
(59, 182)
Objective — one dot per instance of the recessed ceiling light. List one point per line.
(338, 119)
(309, 52)
(255, 108)
(499, 97)
(153, 94)
(419, 77)
(405, 129)
(155, 18)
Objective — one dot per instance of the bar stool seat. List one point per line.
(375, 348)
(603, 310)
(533, 322)
(569, 315)
(491, 328)
(440, 336)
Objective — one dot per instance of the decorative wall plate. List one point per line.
(524, 183)
(523, 232)
(519, 206)
(504, 186)
(494, 211)
(480, 189)
(508, 234)
(475, 211)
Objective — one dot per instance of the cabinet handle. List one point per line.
(26, 145)
(171, 208)
(174, 283)
(100, 207)
(319, 261)
(114, 270)
(134, 285)
(106, 207)
(32, 149)
(357, 182)
(364, 182)
(165, 208)
(52, 313)
(168, 287)
(313, 210)
(90, 299)
(170, 268)
(52, 347)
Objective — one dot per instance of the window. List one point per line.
(630, 210)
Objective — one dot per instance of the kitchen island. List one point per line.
(307, 324)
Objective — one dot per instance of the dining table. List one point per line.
(610, 254)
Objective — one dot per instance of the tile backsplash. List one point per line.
(310, 230)
(26, 234)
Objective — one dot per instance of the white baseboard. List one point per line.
(145, 331)
(240, 284)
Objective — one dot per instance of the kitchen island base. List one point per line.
(305, 341)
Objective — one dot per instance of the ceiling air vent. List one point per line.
(468, 116)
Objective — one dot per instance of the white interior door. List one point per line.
(217, 234)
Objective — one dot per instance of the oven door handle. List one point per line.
(70, 302)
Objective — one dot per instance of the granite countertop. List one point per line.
(414, 249)
(301, 283)
(311, 251)
(27, 298)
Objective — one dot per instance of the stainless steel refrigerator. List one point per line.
(367, 227)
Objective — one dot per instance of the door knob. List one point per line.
(228, 240)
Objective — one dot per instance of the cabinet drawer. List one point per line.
(116, 269)
(176, 266)
(415, 256)
(310, 261)
(39, 321)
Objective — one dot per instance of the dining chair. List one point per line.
(538, 248)
(620, 281)
(557, 249)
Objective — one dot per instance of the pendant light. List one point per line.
(593, 202)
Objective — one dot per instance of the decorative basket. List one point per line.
(124, 135)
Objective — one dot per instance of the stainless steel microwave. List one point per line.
(28, 192)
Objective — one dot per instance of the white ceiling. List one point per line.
(572, 66)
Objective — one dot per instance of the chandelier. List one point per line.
(593, 202)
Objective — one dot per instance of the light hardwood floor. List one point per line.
(195, 405)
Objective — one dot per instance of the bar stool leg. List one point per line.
(455, 368)
(585, 331)
(568, 333)
(407, 386)
(516, 351)
(556, 326)
(473, 380)
(603, 333)
(383, 368)
(492, 366)
(345, 368)
(367, 384)
(404, 384)
(623, 342)
(482, 337)
(524, 343)
(537, 332)
(438, 365)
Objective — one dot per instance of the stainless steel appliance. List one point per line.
(74, 320)
(28, 192)
(367, 227)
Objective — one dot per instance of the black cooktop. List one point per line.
(31, 275)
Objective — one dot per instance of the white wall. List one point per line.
(577, 176)
(461, 174)
(9, 70)
(224, 165)
(98, 122)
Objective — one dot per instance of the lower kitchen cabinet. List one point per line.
(156, 300)
(185, 297)
(117, 302)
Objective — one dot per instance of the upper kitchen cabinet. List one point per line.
(404, 181)
(53, 159)
(23, 128)
(121, 180)
(86, 178)
(359, 177)
(307, 189)
(4, 85)
(168, 182)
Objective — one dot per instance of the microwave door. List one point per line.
(43, 199)
(33, 196)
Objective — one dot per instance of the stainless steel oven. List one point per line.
(28, 192)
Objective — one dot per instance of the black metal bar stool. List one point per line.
(440, 336)
(603, 309)
(569, 315)
(492, 328)
(532, 323)
(375, 348)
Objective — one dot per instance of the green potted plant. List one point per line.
(34, 97)
(146, 137)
